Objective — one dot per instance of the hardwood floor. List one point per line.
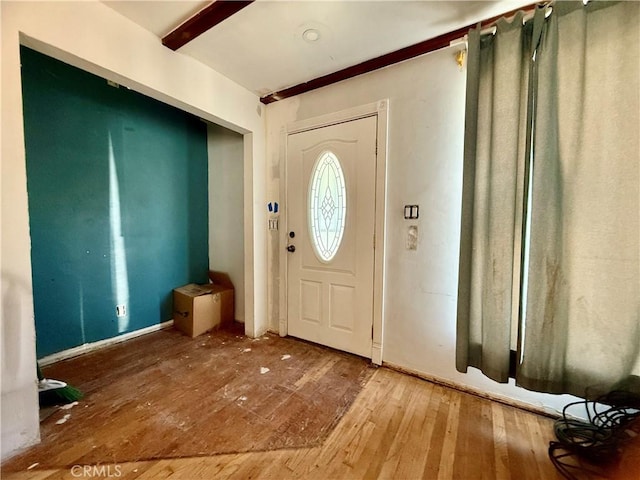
(399, 427)
(165, 395)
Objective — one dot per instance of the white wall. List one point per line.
(226, 207)
(424, 166)
(91, 36)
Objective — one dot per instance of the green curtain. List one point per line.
(550, 221)
(582, 322)
(495, 144)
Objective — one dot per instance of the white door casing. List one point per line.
(330, 292)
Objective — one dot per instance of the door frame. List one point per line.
(380, 110)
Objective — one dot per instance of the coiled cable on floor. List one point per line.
(585, 450)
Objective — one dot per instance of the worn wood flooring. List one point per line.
(166, 395)
(398, 427)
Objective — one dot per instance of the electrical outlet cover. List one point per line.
(412, 237)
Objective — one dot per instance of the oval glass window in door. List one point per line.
(327, 206)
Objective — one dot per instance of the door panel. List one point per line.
(330, 291)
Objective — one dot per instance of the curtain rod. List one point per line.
(528, 15)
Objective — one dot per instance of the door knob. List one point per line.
(291, 248)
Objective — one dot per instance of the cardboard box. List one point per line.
(200, 308)
(223, 285)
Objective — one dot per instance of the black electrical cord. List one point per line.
(571, 465)
(585, 449)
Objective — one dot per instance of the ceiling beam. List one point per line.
(397, 56)
(207, 18)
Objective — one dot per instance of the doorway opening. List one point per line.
(129, 198)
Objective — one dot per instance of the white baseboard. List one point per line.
(90, 347)
(376, 353)
(538, 409)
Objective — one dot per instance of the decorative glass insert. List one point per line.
(327, 206)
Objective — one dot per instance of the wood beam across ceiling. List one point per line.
(382, 61)
(207, 18)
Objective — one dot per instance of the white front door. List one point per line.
(331, 175)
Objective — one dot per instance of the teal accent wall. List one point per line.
(118, 204)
